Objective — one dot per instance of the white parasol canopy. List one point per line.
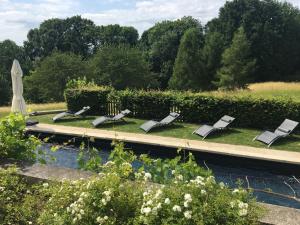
(18, 102)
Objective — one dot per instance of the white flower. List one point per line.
(203, 192)
(167, 201)
(82, 211)
(45, 185)
(188, 214)
(176, 208)
(29, 222)
(188, 197)
(145, 193)
(186, 204)
(55, 214)
(147, 176)
(149, 202)
(99, 220)
(158, 193)
(243, 205)
(179, 177)
(243, 212)
(2, 188)
(232, 204)
(79, 216)
(146, 210)
(173, 172)
(109, 163)
(158, 206)
(107, 193)
(103, 201)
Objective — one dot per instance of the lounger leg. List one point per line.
(255, 138)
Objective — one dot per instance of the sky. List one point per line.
(17, 17)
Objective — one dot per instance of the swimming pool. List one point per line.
(273, 183)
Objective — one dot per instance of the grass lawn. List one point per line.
(35, 107)
(182, 130)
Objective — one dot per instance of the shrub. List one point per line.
(14, 144)
(122, 194)
(194, 107)
(20, 202)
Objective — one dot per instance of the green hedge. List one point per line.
(194, 107)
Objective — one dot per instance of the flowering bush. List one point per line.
(14, 144)
(176, 192)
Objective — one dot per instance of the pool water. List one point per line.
(284, 187)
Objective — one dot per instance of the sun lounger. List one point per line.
(283, 130)
(115, 118)
(223, 123)
(166, 121)
(72, 114)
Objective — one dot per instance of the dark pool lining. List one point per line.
(202, 158)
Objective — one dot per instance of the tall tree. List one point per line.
(48, 81)
(238, 66)
(73, 34)
(116, 34)
(162, 41)
(273, 31)
(189, 70)
(122, 67)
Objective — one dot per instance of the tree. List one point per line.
(238, 66)
(74, 34)
(189, 69)
(162, 41)
(8, 52)
(115, 34)
(212, 54)
(121, 67)
(272, 29)
(48, 81)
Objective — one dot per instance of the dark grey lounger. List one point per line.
(283, 130)
(117, 117)
(166, 121)
(223, 123)
(69, 113)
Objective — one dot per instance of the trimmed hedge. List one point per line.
(194, 107)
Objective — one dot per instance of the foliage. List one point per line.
(48, 81)
(95, 97)
(116, 34)
(14, 144)
(272, 28)
(121, 67)
(190, 195)
(189, 69)
(162, 42)
(193, 107)
(74, 34)
(8, 52)
(237, 64)
(20, 201)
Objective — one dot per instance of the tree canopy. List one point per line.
(189, 69)
(121, 67)
(237, 64)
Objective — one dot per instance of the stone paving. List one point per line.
(194, 145)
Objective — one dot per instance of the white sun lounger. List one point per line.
(115, 118)
(71, 114)
(164, 122)
(221, 124)
(285, 129)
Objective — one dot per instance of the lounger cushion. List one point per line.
(83, 110)
(267, 137)
(149, 125)
(204, 130)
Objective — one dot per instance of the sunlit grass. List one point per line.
(35, 107)
(236, 136)
(269, 90)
